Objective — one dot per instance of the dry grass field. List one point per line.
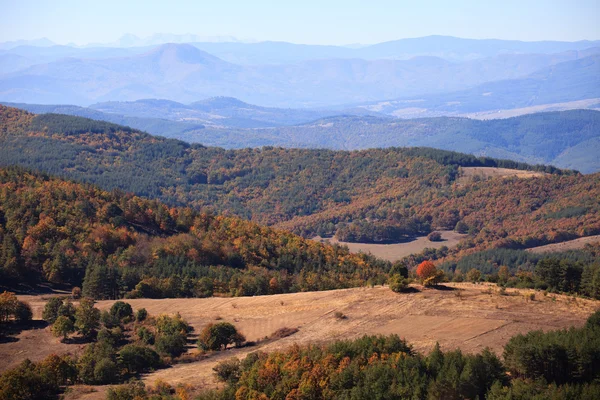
(468, 173)
(396, 251)
(574, 244)
(465, 316)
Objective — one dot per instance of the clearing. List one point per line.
(396, 251)
(574, 244)
(465, 316)
(467, 174)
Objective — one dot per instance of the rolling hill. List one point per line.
(379, 194)
(566, 139)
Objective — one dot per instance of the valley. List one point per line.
(312, 214)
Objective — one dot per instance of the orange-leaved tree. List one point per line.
(428, 273)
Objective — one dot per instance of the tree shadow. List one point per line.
(410, 289)
(9, 330)
(78, 340)
(443, 288)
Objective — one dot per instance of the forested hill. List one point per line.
(374, 195)
(57, 231)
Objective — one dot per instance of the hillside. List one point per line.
(565, 139)
(111, 244)
(378, 195)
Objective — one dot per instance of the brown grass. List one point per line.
(396, 251)
(574, 244)
(469, 173)
(479, 318)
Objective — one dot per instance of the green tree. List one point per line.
(87, 317)
(62, 327)
(51, 308)
(219, 336)
(398, 283)
(122, 311)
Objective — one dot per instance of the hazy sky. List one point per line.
(304, 21)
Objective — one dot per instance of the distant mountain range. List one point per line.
(312, 76)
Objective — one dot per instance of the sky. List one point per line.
(337, 22)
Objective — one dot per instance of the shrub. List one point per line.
(228, 370)
(122, 311)
(138, 359)
(219, 336)
(593, 321)
(166, 325)
(109, 320)
(474, 275)
(339, 315)
(76, 293)
(112, 336)
(145, 335)
(461, 227)
(434, 237)
(398, 283)
(141, 315)
(172, 345)
(127, 392)
(283, 332)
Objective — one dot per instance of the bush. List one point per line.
(398, 283)
(219, 336)
(145, 335)
(228, 370)
(172, 345)
(434, 237)
(141, 315)
(339, 315)
(127, 392)
(461, 227)
(76, 293)
(474, 275)
(122, 311)
(109, 320)
(593, 321)
(112, 336)
(138, 359)
(166, 325)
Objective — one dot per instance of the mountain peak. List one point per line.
(184, 53)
